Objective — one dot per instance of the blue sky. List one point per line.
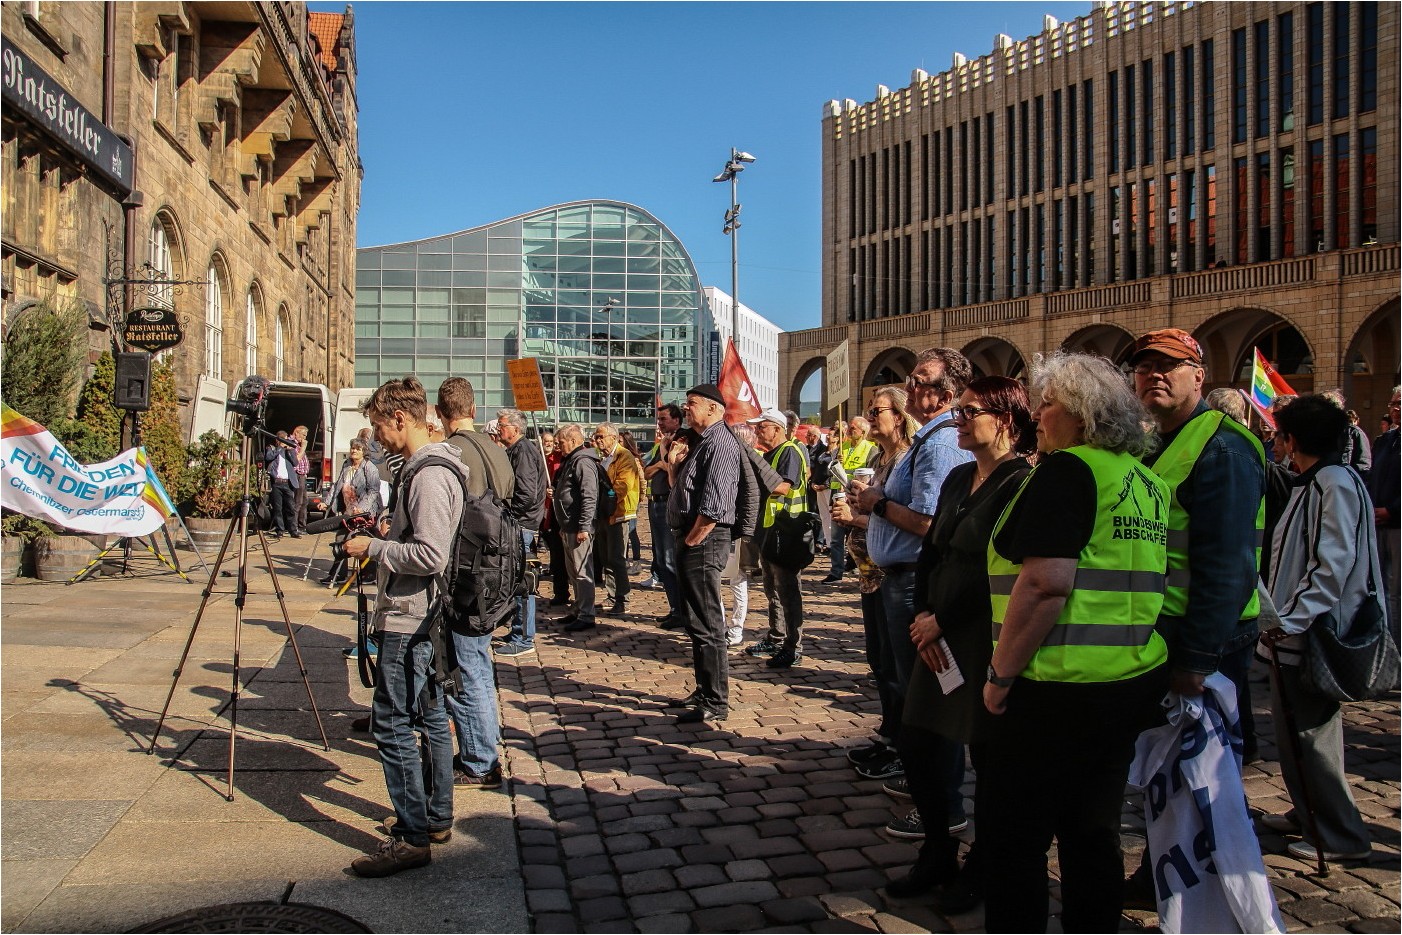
(473, 112)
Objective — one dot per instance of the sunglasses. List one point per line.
(962, 414)
(1165, 366)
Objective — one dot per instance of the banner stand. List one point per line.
(125, 544)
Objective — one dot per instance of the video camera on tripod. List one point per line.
(251, 403)
(346, 526)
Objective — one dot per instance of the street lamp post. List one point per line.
(608, 307)
(731, 174)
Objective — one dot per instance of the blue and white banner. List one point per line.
(41, 479)
(1203, 853)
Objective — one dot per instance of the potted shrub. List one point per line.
(19, 535)
(211, 488)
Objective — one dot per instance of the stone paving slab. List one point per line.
(614, 817)
(98, 836)
(630, 822)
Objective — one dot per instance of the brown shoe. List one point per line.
(435, 837)
(491, 779)
(392, 857)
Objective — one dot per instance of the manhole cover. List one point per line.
(257, 917)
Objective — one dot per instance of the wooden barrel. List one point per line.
(13, 558)
(58, 558)
(207, 534)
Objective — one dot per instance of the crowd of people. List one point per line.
(1037, 567)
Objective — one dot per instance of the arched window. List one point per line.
(166, 261)
(250, 332)
(277, 344)
(158, 255)
(214, 322)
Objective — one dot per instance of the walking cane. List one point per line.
(1308, 803)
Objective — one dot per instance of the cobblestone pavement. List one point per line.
(630, 822)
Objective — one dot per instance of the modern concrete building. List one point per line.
(758, 343)
(599, 292)
(1228, 168)
(216, 142)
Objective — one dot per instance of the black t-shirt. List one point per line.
(1055, 515)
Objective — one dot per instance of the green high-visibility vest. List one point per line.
(1105, 632)
(796, 500)
(855, 457)
(1174, 466)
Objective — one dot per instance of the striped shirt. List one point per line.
(708, 483)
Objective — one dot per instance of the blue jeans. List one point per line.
(837, 551)
(523, 627)
(664, 555)
(883, 665)
(898, 603)
(406, 701)
(474, 706)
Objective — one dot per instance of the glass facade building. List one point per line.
(599, 292)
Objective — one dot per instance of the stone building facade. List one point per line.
(241, 123)
(1228, 168)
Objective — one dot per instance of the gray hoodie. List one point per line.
(409, 568)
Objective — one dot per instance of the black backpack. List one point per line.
(486, 571)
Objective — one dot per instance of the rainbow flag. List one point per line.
(1266, 385)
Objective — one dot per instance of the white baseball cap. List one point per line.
(772, 415)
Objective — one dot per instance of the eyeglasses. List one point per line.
(962, 414)
(1163, 366)
(923, 384)
(875, 411)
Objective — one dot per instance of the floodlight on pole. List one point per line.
(731, 173)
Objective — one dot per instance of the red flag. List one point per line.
(741, 400)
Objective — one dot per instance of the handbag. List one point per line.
(1356, 662)
(792, 542)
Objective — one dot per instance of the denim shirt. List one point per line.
(915, 482)
(1221, 494)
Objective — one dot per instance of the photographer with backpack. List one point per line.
(408, 699)
(474, 705)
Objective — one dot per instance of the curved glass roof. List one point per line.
(600, 292)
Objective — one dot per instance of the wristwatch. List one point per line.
(880, 508)
(995, 679)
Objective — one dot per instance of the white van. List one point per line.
(349, 421)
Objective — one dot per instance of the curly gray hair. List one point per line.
(1094, 390)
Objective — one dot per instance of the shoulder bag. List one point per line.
(1355, 660)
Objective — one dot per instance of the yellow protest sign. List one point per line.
(526, 386)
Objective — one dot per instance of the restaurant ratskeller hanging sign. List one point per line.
(153, 329)
(49, 105)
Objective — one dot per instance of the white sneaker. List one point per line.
(734, 636)
(648, 582)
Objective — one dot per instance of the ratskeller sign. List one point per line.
(153, 329)
(32, 91)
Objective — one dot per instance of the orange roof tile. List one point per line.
(327, 29)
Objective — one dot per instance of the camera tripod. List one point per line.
(240, 528)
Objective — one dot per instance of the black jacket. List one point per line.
(576, 498)
(1383, 479)
(756, 485)
(528, 502)
(820, 460)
